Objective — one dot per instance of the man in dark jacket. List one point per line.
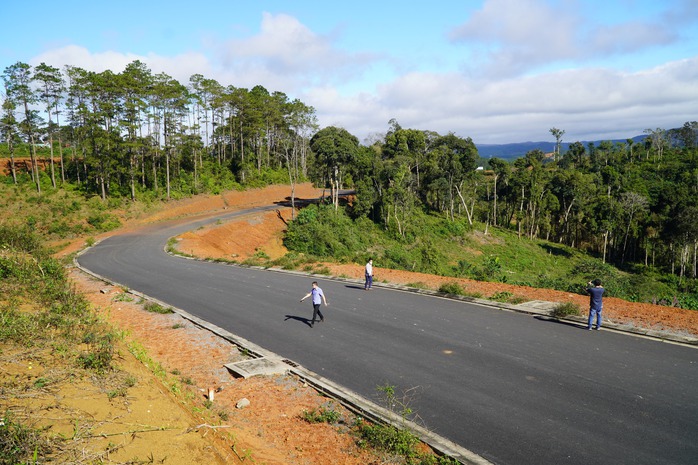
(595, 291)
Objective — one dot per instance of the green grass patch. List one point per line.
(321, 415)
(154, 307)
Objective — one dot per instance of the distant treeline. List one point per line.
(138, 133)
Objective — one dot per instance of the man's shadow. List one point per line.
(298, 318)
(349, 286)
(550, 319)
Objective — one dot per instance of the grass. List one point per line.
(436, 245)
(452, 288)
(154, 307)
(321, 415)
(20, 443)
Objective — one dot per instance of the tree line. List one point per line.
(629, 204)
(136, 132)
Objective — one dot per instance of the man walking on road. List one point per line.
(318, 297)
(369, 275)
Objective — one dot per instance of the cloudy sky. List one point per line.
(495, 70)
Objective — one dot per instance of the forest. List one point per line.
(137, 135)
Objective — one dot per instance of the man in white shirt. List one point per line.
(369, 275)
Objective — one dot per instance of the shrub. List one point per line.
(502, 296)
(321, 415)
(387, 438)
(101, 353)
(565, 309)
(452, 288)
(154, 307)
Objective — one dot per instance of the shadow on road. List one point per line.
(351, 286)
(298, 318)
(555, 320)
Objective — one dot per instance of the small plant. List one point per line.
(502, 296)
(387, 438)
(565, 309)
(177, 326)
(452, 288)
(418, 285)
(122, 297)
(20, 443)
(323, 270)
(41, 382)
(321, 415)
(154, 307)
(261, 255)
(101, 353)
(114, 393)
(130, 381)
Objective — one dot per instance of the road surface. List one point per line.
(510, 387)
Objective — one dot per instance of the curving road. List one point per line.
(511, 388)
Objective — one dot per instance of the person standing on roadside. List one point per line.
(318, 297)
(368, 271)
(595, 291)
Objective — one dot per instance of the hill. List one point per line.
(516, 150)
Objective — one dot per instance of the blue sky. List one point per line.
(495, 70)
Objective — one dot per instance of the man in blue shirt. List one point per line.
(595, 292)
(318, 297)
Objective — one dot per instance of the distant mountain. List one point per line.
(519, 149)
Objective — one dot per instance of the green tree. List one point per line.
(51, 91)
(18, 78)
(557, 134)
(8, 125)
(334, 149)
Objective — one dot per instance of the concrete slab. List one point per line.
(258, 366)
(540, 307)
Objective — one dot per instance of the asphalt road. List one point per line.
(510, 387)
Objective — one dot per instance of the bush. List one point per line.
(101, 353)
(321, 231)
(452, 288)
(565, 309)
(154, 307)
(387, 438)
(103, 221)
(321, 415)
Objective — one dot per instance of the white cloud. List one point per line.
(180, 67)
(515, 36)
(586, 103)
(286, 54)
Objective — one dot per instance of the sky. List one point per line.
(497, 71)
